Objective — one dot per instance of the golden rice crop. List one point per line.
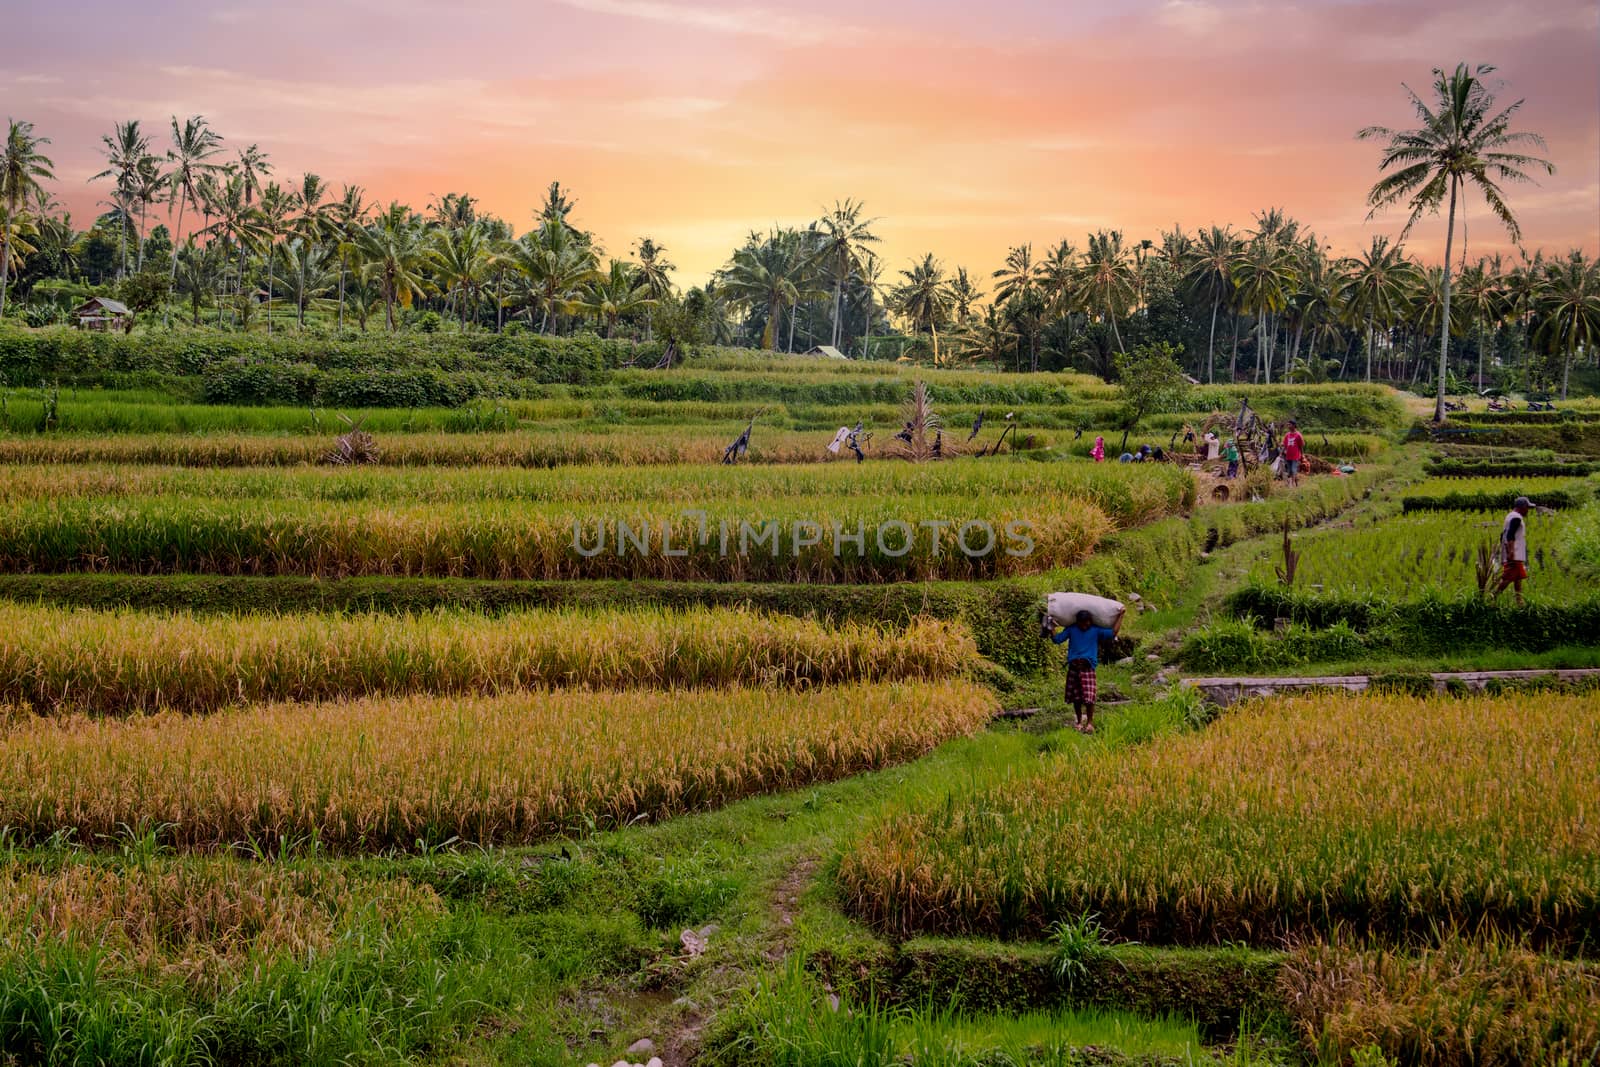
(1465, 1001)
(1384, 814)
(626, 446)
(1129, 494)
(117, 662)
(390, 773)
(195, 921)
(800, 539)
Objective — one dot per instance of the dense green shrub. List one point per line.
(1510, 468)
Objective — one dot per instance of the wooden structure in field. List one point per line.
(102, 313)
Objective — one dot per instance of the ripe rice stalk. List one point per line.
(797, 539)
(1389, 816)
(56, 660)
(396, 773)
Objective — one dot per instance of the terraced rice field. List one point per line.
(1381, 815)
(395, 773)
(1408, 556)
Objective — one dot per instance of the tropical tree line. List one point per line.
(1270, 302)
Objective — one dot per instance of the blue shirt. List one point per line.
(1083, 644)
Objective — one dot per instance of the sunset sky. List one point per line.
(966, 127)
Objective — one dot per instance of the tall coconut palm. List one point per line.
(655, 274)
(149, 182)
(1480, 299)
(1375, 287)
(965, 295)
(1108, 281)
(1569, 310)
(125, 148)
(252, 167)
(22, 167)
(306, 274)
(843, 239)
(395, 248)
(239, 225)
(1462, 142)
(197, 268)
(1210, 274)
(313, 225)
(346, 216)
(193, 146)
(1019, 275)
(555, 262)
(615, 293)
(277, 204)
(764, 277)
(925, 298)
(458, 258)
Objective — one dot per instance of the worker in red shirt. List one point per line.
(1294, 450)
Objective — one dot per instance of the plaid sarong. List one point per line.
(1080, 683)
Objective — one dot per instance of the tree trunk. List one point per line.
(934, 327)
(1114, 331)
(1444, 328)
(794, 313)
(269, 290)
(5, 259)
(342, 270)
(1369, 347)
(499, 302)
(172, 275)
(138, 262)
(838, 290)
(1211, 343)
(1233, 356)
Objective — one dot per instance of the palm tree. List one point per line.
(276, 205)
(844, 237)
(305, 273)
(1481, 298)
(1107, 281)
(925, 298)
(196, 268)
(1211, 272)
(615, 293)
(965, 294)
(125, 148)
(193, 145)
(22, 166)
(458, 259)
(394, 248)
(655, 274)
(238, 223)
(313, 224)
(1018, 276)
(556, 261)
(1569, 309)
(763, 277)
(346, 217)
(251, 167)
(1461, 141)
(1375, 286)
(148, 184)
(989, 337)
(1263, 276)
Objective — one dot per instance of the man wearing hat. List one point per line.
(1514, 548)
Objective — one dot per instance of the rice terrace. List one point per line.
(458, 634)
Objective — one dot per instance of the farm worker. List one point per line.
(1514, 548)
(1099, 450)
(1083, 655)
(1294, 450)
(1231, 454)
